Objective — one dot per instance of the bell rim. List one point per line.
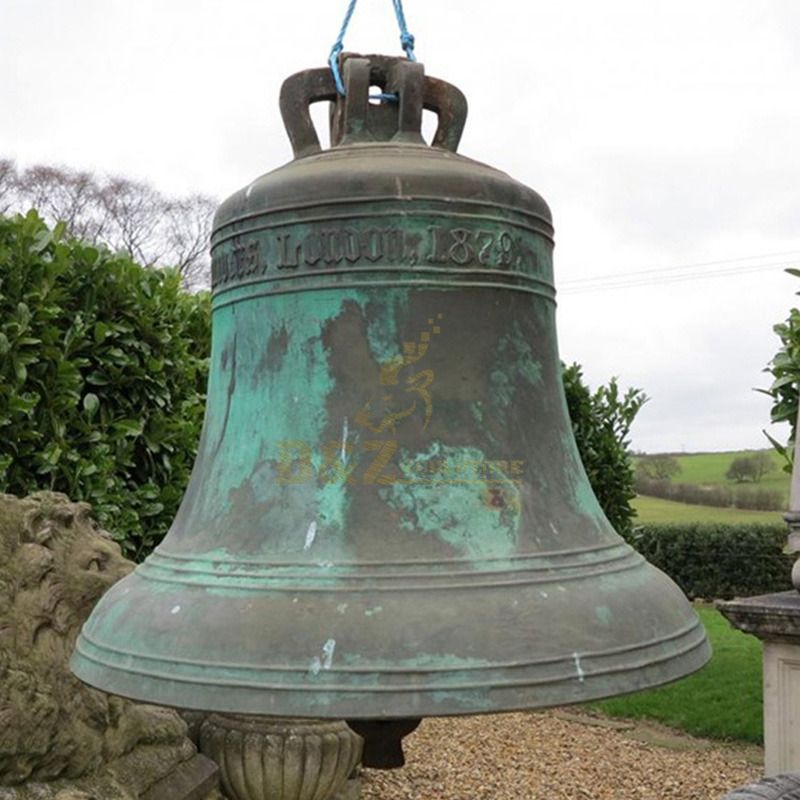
(690, 650)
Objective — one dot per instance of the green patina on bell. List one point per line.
(388, 517)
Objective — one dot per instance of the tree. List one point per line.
(187, 231)
(601, 421)
(762, 465)
(62, 195)
(132, 213)
(741, 469)
(125, 215)
(749, 468)
(8, 174)
(660, 467)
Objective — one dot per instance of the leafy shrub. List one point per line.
(711, 494)
(103, 368)
(710, 560)
(758, 499)
(601, 421)
(785, 388)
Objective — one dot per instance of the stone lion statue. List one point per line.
(58, 737)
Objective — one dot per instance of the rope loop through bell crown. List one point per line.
(406, 40)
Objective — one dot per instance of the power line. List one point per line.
(652, 278)
(690, 266)
(667, 279)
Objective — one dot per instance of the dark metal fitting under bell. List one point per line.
(383, 740)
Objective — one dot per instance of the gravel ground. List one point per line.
(559, 755)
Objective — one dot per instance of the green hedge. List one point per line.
(103, 369)
(601, 421)
(756, 498)
(710, 560)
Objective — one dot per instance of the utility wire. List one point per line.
(673, 279)
(651, 270)
(662, 277)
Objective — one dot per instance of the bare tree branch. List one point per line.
(123, 214)
(8, 184)
(133, 213)
(61, 195)
(187, 231)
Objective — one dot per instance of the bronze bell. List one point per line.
(388, 517)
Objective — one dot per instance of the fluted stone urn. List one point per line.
(269, 758)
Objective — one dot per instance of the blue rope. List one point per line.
(406, 40)
(337, 48)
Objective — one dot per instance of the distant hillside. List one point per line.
(710, 469)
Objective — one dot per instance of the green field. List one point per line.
(710, 468)
(721, 701)
(656, 510)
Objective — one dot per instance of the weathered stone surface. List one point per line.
(770, 617)
(194, 720)
(351, 791)
(266, 758)
(58, 737)
(781, 787)
(775, 619)
(195, 779)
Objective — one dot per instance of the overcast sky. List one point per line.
(664, 135)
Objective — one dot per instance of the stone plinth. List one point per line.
(269, 758)
(775, 619)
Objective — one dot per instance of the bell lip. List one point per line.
(443, 702)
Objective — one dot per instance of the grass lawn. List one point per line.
(710, 468)
(654, 509)
(721, 701)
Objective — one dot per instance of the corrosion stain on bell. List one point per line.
(388, 517)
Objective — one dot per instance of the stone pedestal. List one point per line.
(775, 619)
(269, 758)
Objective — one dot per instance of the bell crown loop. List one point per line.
(356, 121)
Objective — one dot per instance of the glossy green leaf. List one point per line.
(129, 427)
(101, 330)
(91, 403)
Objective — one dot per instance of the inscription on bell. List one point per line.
(335, 246)
(286, 251)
